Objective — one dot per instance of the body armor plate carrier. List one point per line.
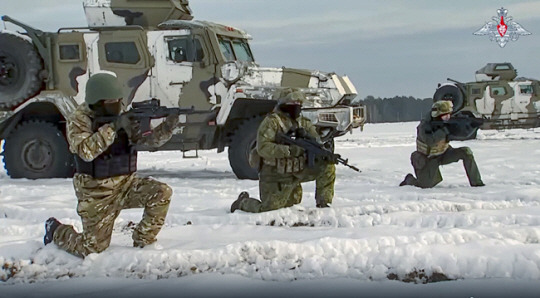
(119, 159)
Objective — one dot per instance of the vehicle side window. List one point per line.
(181, 50)
(502, 67)
(70, 52)
(476, 91)
(498, 91)
(525, 89)
(178, 49)
(199, 53)
(122, 52)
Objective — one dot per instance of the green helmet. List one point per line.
(441, 107)
(102, 86)
(294, 96)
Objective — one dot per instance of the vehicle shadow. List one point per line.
(184, 174)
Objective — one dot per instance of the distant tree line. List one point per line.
(396, 109)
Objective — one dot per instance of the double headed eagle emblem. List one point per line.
(502, 29)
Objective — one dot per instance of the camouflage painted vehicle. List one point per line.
(497, 97)
(158, 51)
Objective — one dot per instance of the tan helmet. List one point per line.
(102, 86)
(441, 107)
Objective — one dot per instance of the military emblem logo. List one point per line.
(502, 29)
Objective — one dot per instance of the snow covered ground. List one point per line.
(484, 240)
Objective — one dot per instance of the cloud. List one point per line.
(387, 19)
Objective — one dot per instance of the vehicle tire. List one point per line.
(244, 139)
(453, 91)
(37, 149)
(20, 67)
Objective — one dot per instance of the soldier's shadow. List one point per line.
(183, 174)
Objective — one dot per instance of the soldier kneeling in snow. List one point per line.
(283, 167)
(105, 180)
(433, 150)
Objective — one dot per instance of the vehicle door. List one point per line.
(180, 70)
(523, 93)
(502, 94)
(125, 52)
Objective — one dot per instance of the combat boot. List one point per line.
(409, 180)
(50, 226)
(241, 197)
(320, 202)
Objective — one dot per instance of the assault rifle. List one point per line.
(143, 112)
(460, 127)
(313, 149)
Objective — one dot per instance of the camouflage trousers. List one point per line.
(427, 169)
(285, 190)
(99, 204)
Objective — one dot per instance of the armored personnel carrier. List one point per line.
(497, 97)
(158, 51)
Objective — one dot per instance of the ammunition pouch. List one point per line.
(255, 160)
(437, 150)
(288, 164)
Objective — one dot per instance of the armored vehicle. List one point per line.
(497, 97)
(158, 51)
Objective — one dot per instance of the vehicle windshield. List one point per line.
(235, 49)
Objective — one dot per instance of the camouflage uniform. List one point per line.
(101, 200)
(282, 172)
(432, 151)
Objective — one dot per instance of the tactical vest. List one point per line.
(437, 150)
(119, 159)
(286, 164)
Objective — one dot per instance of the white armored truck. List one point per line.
(497, 97)
(158, 51)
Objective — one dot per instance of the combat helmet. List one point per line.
(102, 86)
(441, 107)
(292, 97)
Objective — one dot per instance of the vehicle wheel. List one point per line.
(244, 139)
(37, 149)
(451, 90)
(20, 67)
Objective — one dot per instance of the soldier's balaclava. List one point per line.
(104, 94)
(293, 109)
(292, 104)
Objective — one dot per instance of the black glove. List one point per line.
(122, 121)
(303, 134)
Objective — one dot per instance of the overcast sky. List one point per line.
(386, 47)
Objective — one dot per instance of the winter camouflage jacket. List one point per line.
(279, 155)
(89, 144)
